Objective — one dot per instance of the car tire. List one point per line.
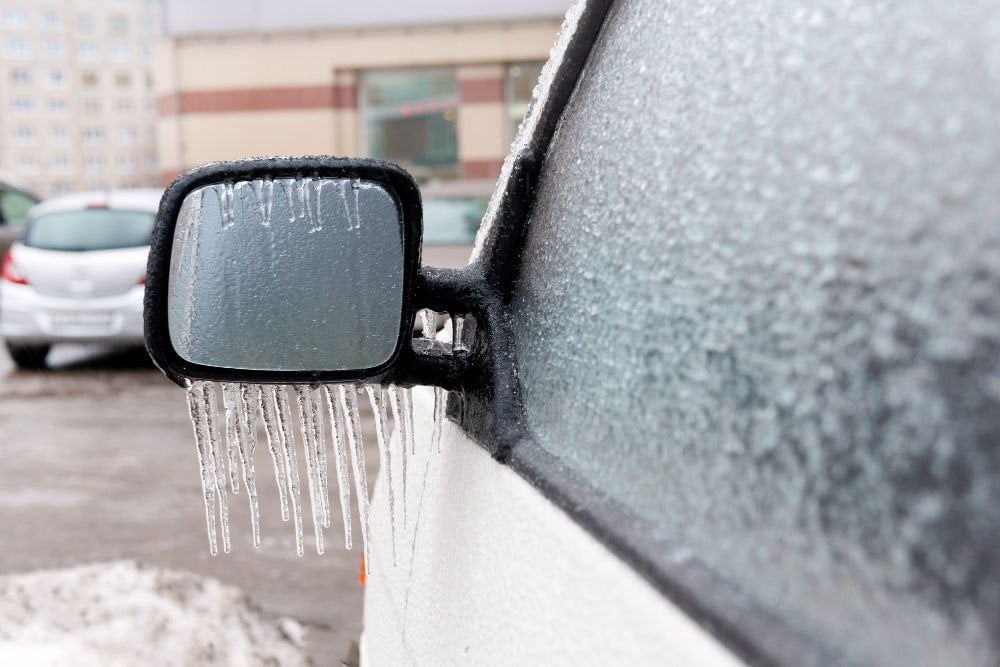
(28, 356)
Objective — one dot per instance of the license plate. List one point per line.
(80, 320)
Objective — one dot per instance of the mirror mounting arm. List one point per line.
(429, 362)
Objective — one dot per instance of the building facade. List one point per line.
(77, 110)
(440, 98)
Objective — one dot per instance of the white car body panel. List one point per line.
(490, 572)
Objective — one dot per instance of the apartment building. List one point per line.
(76, 100)
(437, 86)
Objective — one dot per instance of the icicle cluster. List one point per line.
(226, 442)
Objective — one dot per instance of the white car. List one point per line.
(77, 274)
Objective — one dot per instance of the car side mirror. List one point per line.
(284, 270)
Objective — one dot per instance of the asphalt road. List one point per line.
(97, 463)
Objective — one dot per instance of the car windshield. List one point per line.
(452, 221)
(91, 229)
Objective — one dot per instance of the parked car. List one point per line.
(452, 213)
(732, 392)
(15, 200)
(77, 273)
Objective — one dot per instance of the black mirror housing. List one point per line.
(282, 174)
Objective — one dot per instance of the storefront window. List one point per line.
(521, 79)
(409, 118)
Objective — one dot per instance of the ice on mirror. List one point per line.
(228, 419)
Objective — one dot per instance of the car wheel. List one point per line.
(28, 356)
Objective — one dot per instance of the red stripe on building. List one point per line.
(481, 169)
(259, 99)
(481, 90)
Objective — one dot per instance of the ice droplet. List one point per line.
(280, 397)
(275, 446)
(396, 404)
(340, 462)
(355, 187)
(307, 415)
(376, 399)
(263, 190)
(352, 421)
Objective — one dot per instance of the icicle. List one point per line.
(247, 427)
(457, 331)
(340, 462)
(352, 421)
(226, 204)
(280, 398)
(319, 183)
(319, 438)
(215, 450)
(396, 403)
(309, 440)
(356, 187)
(343, 201)
(231, 400)
(275, 446)
(377, 403)
(288, 184)
(263, 190)
(429, 324)
(407, 395)
(196, 408)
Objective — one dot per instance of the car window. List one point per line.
(14, 208)
(94, 229)
(452, 221)
(743, 318)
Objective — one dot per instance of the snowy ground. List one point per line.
(121, 613)
(99, 466)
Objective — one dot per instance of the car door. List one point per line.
(743, 398)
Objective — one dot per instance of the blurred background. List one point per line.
(99, 490)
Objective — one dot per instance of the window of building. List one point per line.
(22, 104)
(25, 162)
(52, 48)
(24, 134)
(20, 76)
(55, 78)
(123, 80)
(123, 104)
(85, 23)
(51, 20)
(126, 162)
(121, 53)
(56, 105)
(17, 49)
(14, 19)
(521, 79)
(409, 118)
(92, 105)
(126, 135)
(145, 54)
(93, 162)
(93, 135)
(118, 24)
(89, 79)
(62, 187)
(60, 161)
(87, 51)
(58, 134)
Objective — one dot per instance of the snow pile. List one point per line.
(122, 613)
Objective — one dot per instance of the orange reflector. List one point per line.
(361, 572)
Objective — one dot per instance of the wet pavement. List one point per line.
(98, 464)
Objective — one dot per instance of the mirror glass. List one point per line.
(287, 274)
